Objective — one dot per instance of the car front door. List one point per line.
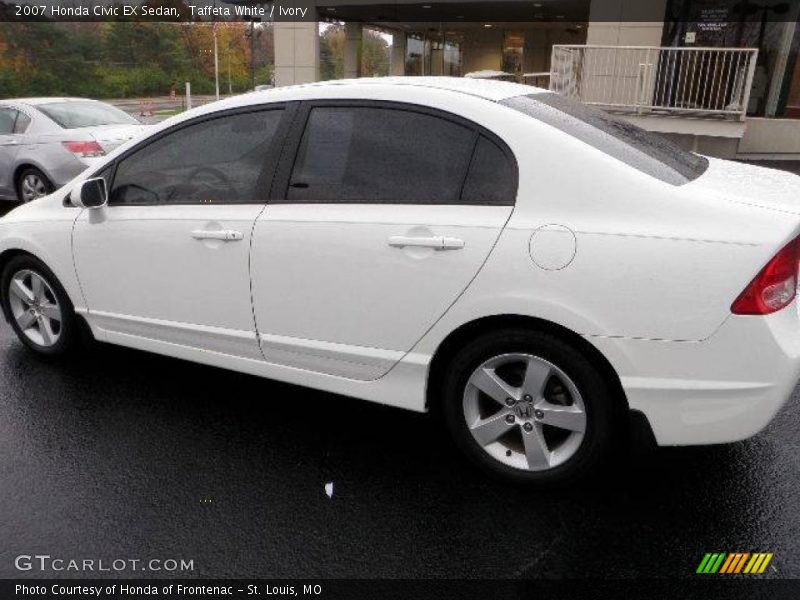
(9, 144)
(167, 259)
(383, 217)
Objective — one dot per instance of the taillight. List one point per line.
(85, 149)
(774, 287)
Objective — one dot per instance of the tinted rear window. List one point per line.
(380, 155)
(492, 178)
(648, 152)
(75, 114)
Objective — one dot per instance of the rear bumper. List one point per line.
(723, 389)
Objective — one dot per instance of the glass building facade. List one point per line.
(764, 24)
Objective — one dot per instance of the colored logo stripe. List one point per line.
(732, 558)
(711, 562)
(734, 562)
(759, 562)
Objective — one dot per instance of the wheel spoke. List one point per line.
(20, 291)
(487, 381)
(536, 375)
(570, 418)
(51, 311)
(37, 285)
(488, 430)
(26, 319)
(46, 329)
(536, 451)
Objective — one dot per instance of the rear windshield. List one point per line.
(75, 114)
(648, 152)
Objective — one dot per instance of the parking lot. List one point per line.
(121, 454)
(117, 453)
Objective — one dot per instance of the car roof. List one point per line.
(372, 87)
(483, 88)
(40, 101)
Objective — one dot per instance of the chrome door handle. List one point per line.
(9, 143)
(437, 242)
(226, 235)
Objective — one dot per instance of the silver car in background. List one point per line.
(45, 142)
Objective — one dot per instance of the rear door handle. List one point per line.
(9, 143)
(437, 242)
(226, 235)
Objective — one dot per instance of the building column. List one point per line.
(296, 52)
(780, 69)
(398, 66)
(352, 50)
(626, 22)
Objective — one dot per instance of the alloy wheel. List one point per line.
(524, 412)
(35, 308)
(32, 187)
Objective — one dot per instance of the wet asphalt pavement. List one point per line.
(117, 453)
(121, 454)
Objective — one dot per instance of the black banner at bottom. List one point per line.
(383, 589)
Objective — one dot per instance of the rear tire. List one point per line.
(529, 408)
(38, 308)
(33, 184)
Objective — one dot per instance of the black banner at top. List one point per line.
(157, 10)
(408, 11)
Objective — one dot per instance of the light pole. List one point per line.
(252, 54)
(216, 58)
(230, 87)
(252, 33)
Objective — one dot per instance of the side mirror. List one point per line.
(91, 193)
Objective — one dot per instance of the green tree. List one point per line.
(374, 54)
(127, 58)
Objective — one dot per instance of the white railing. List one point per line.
(650, 79)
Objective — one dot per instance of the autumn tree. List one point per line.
(374, 53)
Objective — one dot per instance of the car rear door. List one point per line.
(381, 216)
(10, 138)
(168, 258)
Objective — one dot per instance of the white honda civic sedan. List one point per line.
(541, 274)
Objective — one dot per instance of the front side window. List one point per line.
(221, 160)
(643, 150)
(85, 113)
(380, 155)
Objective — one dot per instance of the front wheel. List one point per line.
(528, 407)
(38, 307)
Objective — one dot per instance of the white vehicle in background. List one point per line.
(536, 271)
(45, 142)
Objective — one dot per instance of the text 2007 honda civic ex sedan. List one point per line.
(533, 270)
